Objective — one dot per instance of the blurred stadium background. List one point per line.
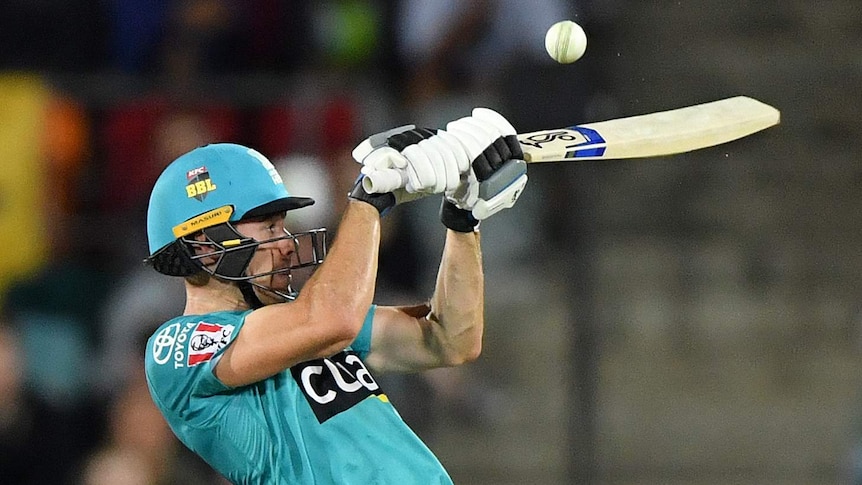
(687, 320)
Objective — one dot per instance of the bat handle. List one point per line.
(382, 181)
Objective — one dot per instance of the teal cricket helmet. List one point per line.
(206, 190)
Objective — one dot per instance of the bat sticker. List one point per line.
(584, 141)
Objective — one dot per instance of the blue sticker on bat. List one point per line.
(585, 138)
(591, 137)
(586, 152)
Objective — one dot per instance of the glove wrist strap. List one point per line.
(381, 202)
(458, 220)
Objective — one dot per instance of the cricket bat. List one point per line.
(652, 135)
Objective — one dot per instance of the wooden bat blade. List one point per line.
(652, 135)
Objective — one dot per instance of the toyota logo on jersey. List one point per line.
(335, 384)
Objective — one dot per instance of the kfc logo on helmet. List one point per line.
(207, 339)
(195, 172)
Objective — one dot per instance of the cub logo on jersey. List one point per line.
(207, 339)
(199, 184)
(335, 384)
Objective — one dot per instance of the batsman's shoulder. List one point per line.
(164, 342)
(191, 341)
(181, 356)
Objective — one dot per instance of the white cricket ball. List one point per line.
(566, 42)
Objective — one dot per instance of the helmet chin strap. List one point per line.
(249, 295)
(246, 287)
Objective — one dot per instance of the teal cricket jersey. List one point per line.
(324, 421)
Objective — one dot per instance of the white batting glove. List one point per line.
(376, 156)
(497, 174)
(416, 160)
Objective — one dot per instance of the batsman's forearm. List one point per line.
(457, 306)
(345, 283)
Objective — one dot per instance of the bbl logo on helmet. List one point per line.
(199, 183)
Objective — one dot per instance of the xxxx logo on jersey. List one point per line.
(335, 384)
(199, 183)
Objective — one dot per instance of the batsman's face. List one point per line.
(276, 253)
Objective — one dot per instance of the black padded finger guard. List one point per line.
(404, 139)
(514, 146)
(496, 155)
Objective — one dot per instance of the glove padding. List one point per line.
(497, 174)
(418, 160)
(379, 153)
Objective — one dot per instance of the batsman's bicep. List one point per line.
(274, 338)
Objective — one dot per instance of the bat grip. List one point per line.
(382, 181)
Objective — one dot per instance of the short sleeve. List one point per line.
(181, 358)
(362, 343)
